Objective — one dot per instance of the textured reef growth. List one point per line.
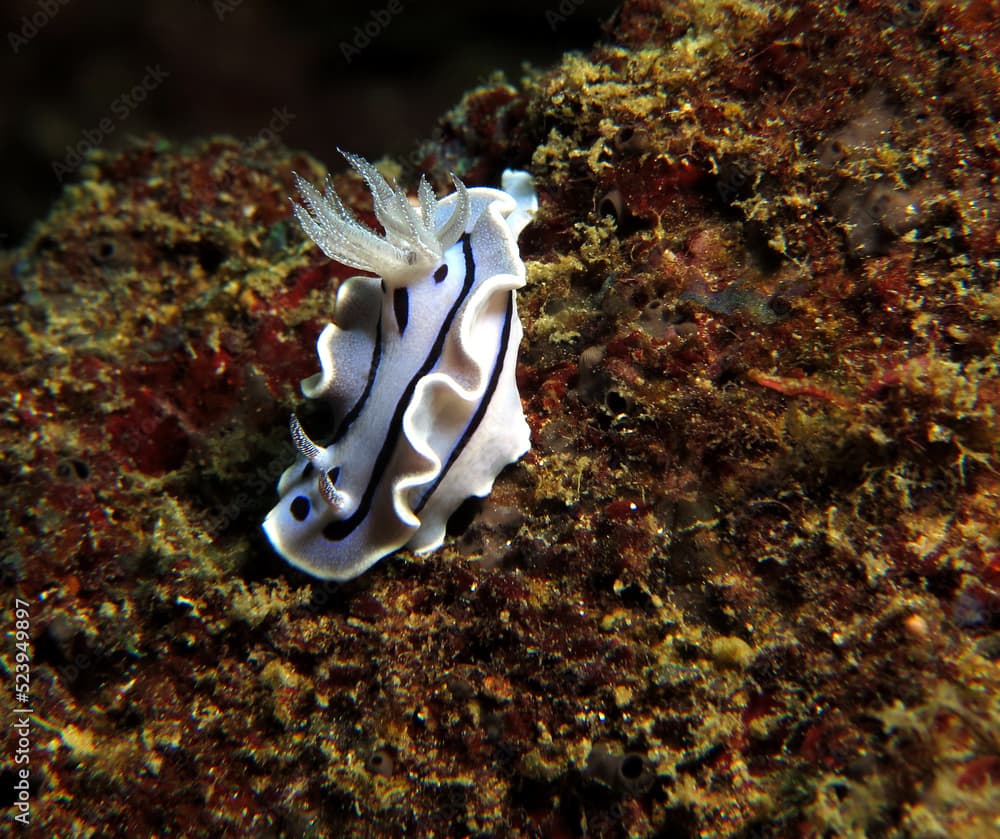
(747, 582)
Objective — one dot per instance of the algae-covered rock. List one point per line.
(754, 548)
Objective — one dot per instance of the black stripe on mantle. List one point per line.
(481, 408)
(336, 531)
(352, 415)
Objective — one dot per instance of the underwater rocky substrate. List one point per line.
(746, 582)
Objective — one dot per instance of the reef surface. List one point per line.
(747, 581)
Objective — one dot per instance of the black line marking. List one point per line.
(338, 530)
(401, 308)
(352, 415)
(481, 408)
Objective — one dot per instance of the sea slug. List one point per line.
(418, 367)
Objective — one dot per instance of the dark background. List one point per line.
(230, 65)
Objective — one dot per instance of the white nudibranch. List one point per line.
(417, 367)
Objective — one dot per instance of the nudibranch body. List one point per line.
(417, 366)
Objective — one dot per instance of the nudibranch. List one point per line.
(417, 367)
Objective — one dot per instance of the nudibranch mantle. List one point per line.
(418, 367)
